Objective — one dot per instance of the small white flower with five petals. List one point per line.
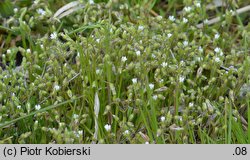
(217, 36)
(171, 18)
(38, 107)
(124, 59)
(134, 80)
(41, 11)
(164, 64)
(107, 127)
(53, 35)
(151, 86)
(163, 118)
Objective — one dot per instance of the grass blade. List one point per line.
(65, 8)
(96, 109)
(36, 112)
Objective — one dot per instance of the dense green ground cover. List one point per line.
(124, 72)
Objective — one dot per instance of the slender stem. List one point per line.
(217, 19)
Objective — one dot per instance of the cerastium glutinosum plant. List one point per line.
(108, 73)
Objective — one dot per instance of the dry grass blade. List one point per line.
(162, 89)
(216, 3)
(97, 105)
(71, 10)
(144, 136)
(96, 109)
(174, 127)
(68, 9)
(217, 19)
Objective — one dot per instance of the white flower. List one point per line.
(177, 128)
(235, 119)
(56, 87)
(126, 132)
(91, 2)
(36, 1)
(161, 80)
(124, 59)
(18, 107)
(97, 71)
(80, 132)
(61, 124)
(8, 51)
(198, 59)
(151, 86)
(171, 18)
(134, 80)
(206, 21)
(216, 36)
(42, 46)
(217, 59)
(28, 51)
(182, 63)
(75, 116)
(15, 10)
(217, 49)
(153, 56)
(221, 53)
(163, 118)
(180, 118)
(164, 64)
(75, 132)
(232, 67)
(169, 35)
(107, 127)
(41, 11)
(185, 43)
(187, 9)
(111, 30)
(198, 4)
(159, 18)
(138, 53)
(181, 79)
(37, 107)
(155, 97)
(191, 104)
(140, 28)
(200, 49)
(146, 142)
(98, 40)
(185, 20)
(53, 35)
(231, 12)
